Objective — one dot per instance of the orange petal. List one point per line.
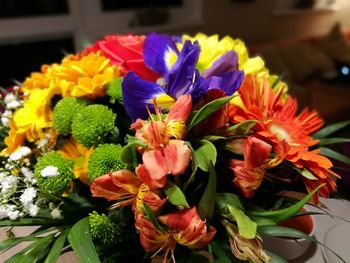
(181, 109)
(255, 152)
(103, 186)
(126, 180)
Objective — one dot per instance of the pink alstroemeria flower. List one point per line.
(185, 227)
(166, 152)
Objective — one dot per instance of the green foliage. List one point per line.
(242, 128)
(55, 184)
(91, 124)
(230, 207)
(334, 155)
(80, 239)
(105, 159)
(207, 203)
(208, 109)
(64, 112)
(175, 195)
(103, 230)
(205, 154)
(330, 129)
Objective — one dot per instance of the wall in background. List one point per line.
(255, 22)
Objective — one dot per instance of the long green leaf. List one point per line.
(242, 128)
(9, 243)
(246, 227)
(306, 173)
(175, 195)
(207, 203)
(33, 252)
(286, 213)
(332, 128)
(151, 217)
(208, 109)
(282, 231)
(334, 155)
(57, 247)
(80, 239)
(33, 222)
(205, 154)
(329, 141)
(194, 166)
(275, 258)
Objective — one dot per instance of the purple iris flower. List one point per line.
(178, 79)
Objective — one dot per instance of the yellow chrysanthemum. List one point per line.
(212, 48)
(74, 77)
(80, 155)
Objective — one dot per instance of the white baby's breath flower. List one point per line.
(8, 184)
(3, 211)
(7, 113)
(56, 213)
(49, 171)
(42, 143)
(13, 105)
(9, 98)
(20, 153)
(33, 210)
(13, 215)
(27, 197)
(5, 121)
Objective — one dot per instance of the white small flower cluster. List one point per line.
(55, 211)
(43, 144)
(11, 102)
(17, 186)
(49, 171)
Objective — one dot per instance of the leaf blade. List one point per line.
(175, 195)
(332, 128)
(80, 239)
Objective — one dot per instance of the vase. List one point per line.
(290, 248)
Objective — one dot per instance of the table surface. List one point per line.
(314, 254)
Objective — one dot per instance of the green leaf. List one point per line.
(275, 258)
(135, 141)
(328, 141)
(208, 109)
(175, 195)
(243, 128)
(205, 154)
(80, 239)
(57, 247)
(334, 155)
(283, 214)
(246, 227)
(306, 173)
(328, 130)
(282, 231)
(33, 222)
(213, 138)
(194, 166)
(9, 243)
(33, 252)
(151, 217)
(128, 155)
(207, 203)
(224, 199)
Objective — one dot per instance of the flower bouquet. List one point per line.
(157, 147)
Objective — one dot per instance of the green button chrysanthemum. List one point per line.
(105, 159)
(92, 124)
(54, 173)
(64, 112)
(103, 230)
(114, 90)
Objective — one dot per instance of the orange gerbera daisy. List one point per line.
(279, 122)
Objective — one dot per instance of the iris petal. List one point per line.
(181, 75)
(137, 93)
(155, 51)
(225, 63)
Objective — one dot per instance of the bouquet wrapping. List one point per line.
(157, 147)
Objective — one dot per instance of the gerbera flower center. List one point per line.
(281, 133)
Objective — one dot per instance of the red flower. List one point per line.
(124, 51)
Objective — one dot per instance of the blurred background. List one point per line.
(304, 40)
